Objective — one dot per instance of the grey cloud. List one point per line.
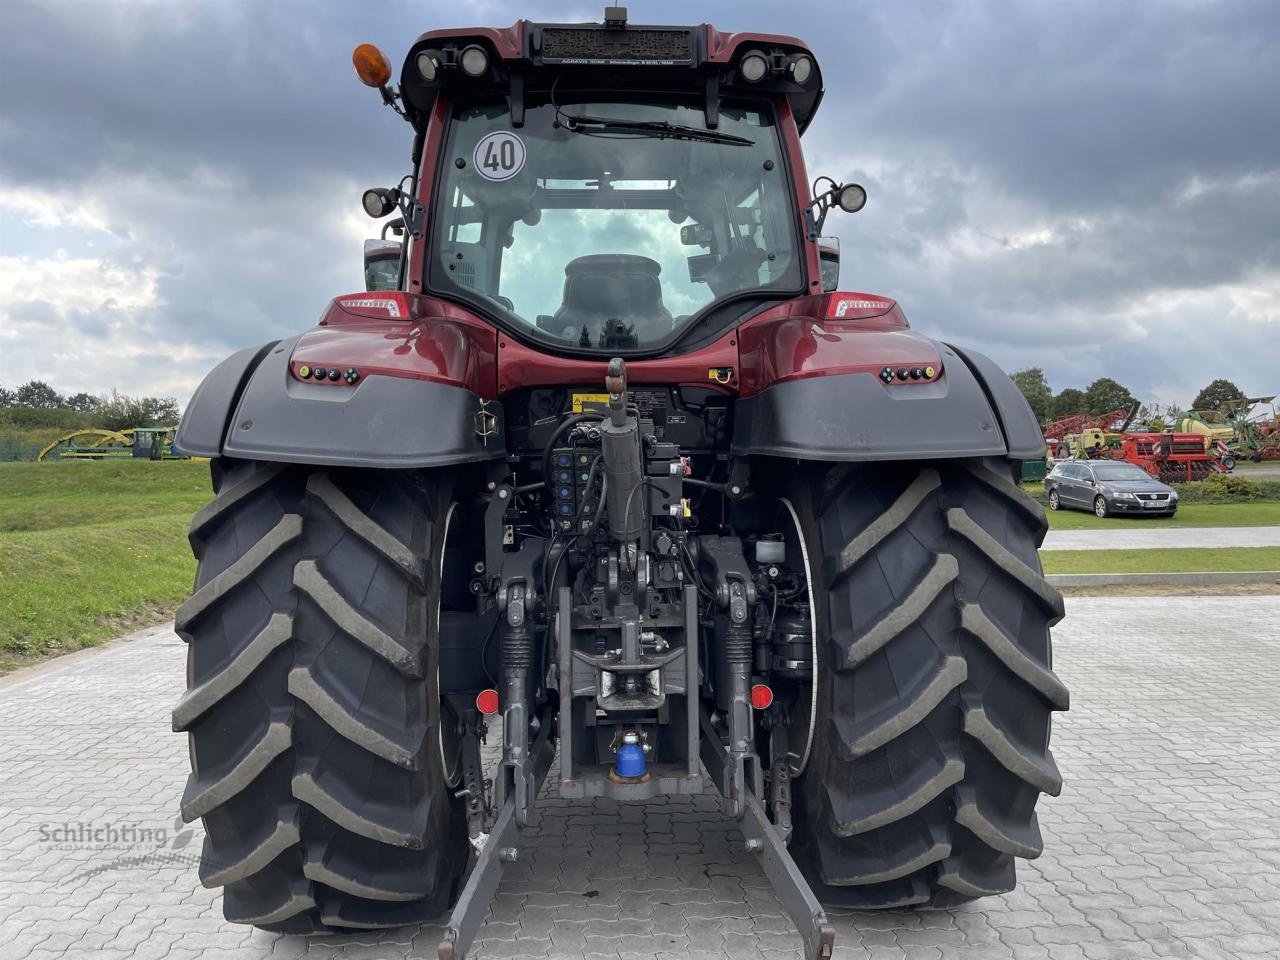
(224, 140)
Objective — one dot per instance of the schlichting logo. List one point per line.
(113, 835)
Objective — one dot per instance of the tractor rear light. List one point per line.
(378, 203)
(384, 305)
(754, 66)
(801, 69)
(487, 702)
(474, 61)
(857, 306)
(903, 374)
(304, 371)
(428, 64)
(761, 696)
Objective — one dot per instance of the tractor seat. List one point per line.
(611, 286)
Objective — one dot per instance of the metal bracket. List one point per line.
(739, 780)
(475, 788)
(764, 840)
(780, 780)
(497, 851)
(486, 422)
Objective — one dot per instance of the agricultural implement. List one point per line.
(1231, 427)
(617, 466)
(1089, 435)
(1171, 457)
(147, 443)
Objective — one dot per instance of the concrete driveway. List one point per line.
(1148, 533)
(1165, 842)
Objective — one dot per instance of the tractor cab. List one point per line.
(150, 443)
(653, 174)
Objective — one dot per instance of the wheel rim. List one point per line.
(1100, 507)
(452, 770)
(1053, 500)
(798, 761)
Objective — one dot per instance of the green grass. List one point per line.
(88, 549)
(49, 496)
(1162, 560)
(1264, 513)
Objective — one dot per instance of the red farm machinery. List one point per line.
(1168, 456)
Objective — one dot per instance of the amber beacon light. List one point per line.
(372, 66)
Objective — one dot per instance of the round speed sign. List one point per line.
(499, 156)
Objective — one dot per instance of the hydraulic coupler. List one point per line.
(623, 466)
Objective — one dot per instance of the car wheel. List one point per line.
(1053, 500)
(1100, 506)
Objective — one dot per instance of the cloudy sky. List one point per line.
(1090, 187)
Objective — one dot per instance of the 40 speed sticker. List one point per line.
(499, 156)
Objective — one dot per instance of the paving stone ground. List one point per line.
(1164, 844)
(1143, 534)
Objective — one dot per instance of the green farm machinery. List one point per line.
(143, 443)
(1246, 437)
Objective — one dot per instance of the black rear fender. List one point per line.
(250, 407)
(972, 410)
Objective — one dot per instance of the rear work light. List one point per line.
(474, 61)
(428, 64)
(753, 67)
(801, 69)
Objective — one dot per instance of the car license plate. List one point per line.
(1153, 504)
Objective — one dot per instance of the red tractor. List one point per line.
(612, 465)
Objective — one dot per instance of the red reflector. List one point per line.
(761, 696)
(487, 702)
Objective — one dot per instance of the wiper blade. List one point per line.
(660, 129)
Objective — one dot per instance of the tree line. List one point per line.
(36, 404)
(1103, 396)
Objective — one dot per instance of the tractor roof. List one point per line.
(613, 56)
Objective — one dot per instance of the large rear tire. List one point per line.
(935, 684)
(313, 708)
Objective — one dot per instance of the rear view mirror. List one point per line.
(829, 255)
(382, 265)
(695, 235)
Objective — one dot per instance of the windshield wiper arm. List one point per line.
(653, 128)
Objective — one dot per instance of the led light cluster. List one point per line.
(308, 372)
(902, 374)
